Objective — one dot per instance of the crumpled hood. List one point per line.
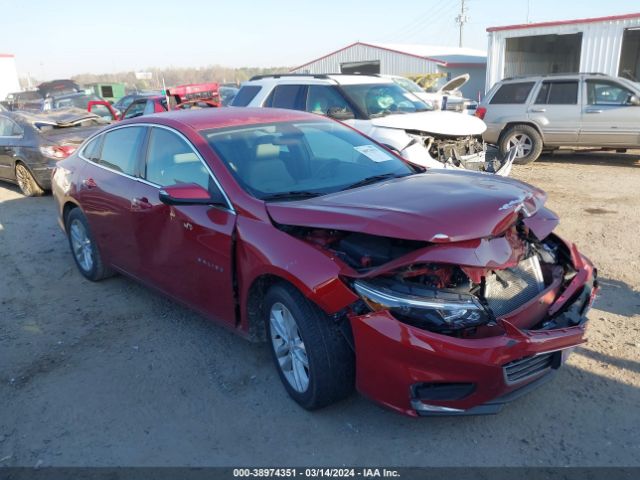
(436, 206)
(452, 124)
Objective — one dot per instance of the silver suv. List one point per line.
(543, 113)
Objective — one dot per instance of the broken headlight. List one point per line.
(436, 310)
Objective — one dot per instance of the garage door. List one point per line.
(542, 54)
(630, 55)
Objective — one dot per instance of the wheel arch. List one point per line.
(514, 123)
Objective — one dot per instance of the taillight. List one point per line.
(57, 152)
(481, 112)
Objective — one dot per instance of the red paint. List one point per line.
(210, 258)
(103, 103)
(565, 22)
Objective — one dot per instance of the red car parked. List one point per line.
(183, 97)
(432, 292)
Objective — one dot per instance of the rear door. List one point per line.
(10, 135)
(556, 110)
(186, 251)
(608, 118)
(106, 189)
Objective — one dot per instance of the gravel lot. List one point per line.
(114, 374)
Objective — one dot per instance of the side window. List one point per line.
(171, 160)
(607, 93)
(321, 98)
(121, 149)
(291, 97)
(558, 93)
(92, 150)
(245, 95)
(512, 93)
(8, 128)
(135, 110)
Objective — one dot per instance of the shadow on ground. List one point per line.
(596, 158)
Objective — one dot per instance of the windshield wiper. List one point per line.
(295, 195)
(373, 179)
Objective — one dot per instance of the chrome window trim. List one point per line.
(144, 180)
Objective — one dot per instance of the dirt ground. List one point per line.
(114, 374)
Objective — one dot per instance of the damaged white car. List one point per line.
(381, 109)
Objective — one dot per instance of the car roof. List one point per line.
(209, 118)
(314, 79)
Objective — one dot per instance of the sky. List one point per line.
(57, 39)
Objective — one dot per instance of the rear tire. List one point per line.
(27, 182)
(526, 139)
(305, 340)
(84, 249)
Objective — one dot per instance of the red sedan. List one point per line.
(431, 292)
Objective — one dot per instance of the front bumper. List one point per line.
(418, 372)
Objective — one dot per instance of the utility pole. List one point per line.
(461, 19)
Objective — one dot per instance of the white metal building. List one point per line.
(8, 75)
(397, 59)
(608, 45)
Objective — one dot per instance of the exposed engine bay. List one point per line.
(468, 152)
(456, 300)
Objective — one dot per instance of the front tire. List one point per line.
(313, 359)
(84, 248)
(27, 182)
(525, 139)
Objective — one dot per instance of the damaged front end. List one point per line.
(460, 327)
(467, 152)
(441, 140)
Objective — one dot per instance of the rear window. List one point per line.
(291, 97)
(512, 93)
(558, 93)
(121, 149)
(245, 95)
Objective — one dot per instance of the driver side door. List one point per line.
(186, 250)
(608, 119)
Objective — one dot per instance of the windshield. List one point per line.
(294, 160)
(378, 100)
(407, 84)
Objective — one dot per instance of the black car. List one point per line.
(31, 144)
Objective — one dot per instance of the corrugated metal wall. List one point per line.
(600, 52)
(391, 63)
(394, 63)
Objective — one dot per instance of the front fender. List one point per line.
(262, 249)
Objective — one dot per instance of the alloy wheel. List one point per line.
(23, 179)
(522, 143)
(289, 347)
(81, 245)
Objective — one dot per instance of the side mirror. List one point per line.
(340, 113)
(189, 194)
(634, 100)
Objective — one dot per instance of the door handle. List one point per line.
(538, 110)
(593, 110)
(140, 203)
(89, 183)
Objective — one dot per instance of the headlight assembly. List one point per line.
(436, 310)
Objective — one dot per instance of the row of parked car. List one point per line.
(521, 117)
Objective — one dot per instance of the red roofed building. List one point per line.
(609, 45)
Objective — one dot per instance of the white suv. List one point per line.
(384, 111)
